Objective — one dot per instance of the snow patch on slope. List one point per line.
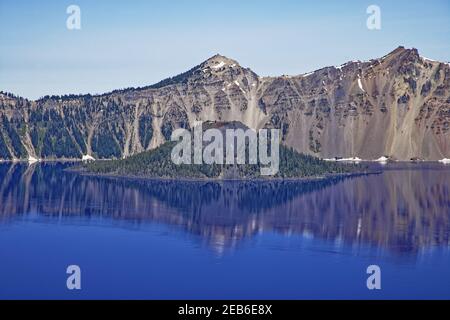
(353, 159)
(360, 84)
(382, 159)
(219, 65)
(88, 158)
(428, 59)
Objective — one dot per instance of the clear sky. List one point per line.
(135, 43)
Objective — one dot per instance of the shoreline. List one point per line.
(327, 160)
(81, 171)
(218, 180)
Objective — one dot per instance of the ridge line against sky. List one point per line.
(196, 64)
(133, 44)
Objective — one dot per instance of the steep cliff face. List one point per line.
(398, 105)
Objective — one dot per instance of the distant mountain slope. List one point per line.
(398, 105)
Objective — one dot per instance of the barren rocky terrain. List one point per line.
(397, 106)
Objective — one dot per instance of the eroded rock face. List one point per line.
(398, 105)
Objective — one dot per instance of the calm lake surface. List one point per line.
(136, 239)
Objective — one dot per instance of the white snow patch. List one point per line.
(382, 159)
(239, 86)
(88, 158)
(360, 84)
(428, 59)
(219, 65)
(353, 159)
(346, 64)
(445, 161)
(307, 74)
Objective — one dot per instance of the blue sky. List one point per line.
(136, 43)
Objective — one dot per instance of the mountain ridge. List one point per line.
(158, 84)
(397, 105)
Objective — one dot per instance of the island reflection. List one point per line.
(402, 210)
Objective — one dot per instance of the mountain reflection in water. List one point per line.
(403, 209)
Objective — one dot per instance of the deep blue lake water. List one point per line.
(136, 239)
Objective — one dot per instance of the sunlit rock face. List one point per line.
(396, 106)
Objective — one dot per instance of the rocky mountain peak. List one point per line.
(402, 55)
(397, 105)
(219, 63)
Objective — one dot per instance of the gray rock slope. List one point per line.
(397, 105)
